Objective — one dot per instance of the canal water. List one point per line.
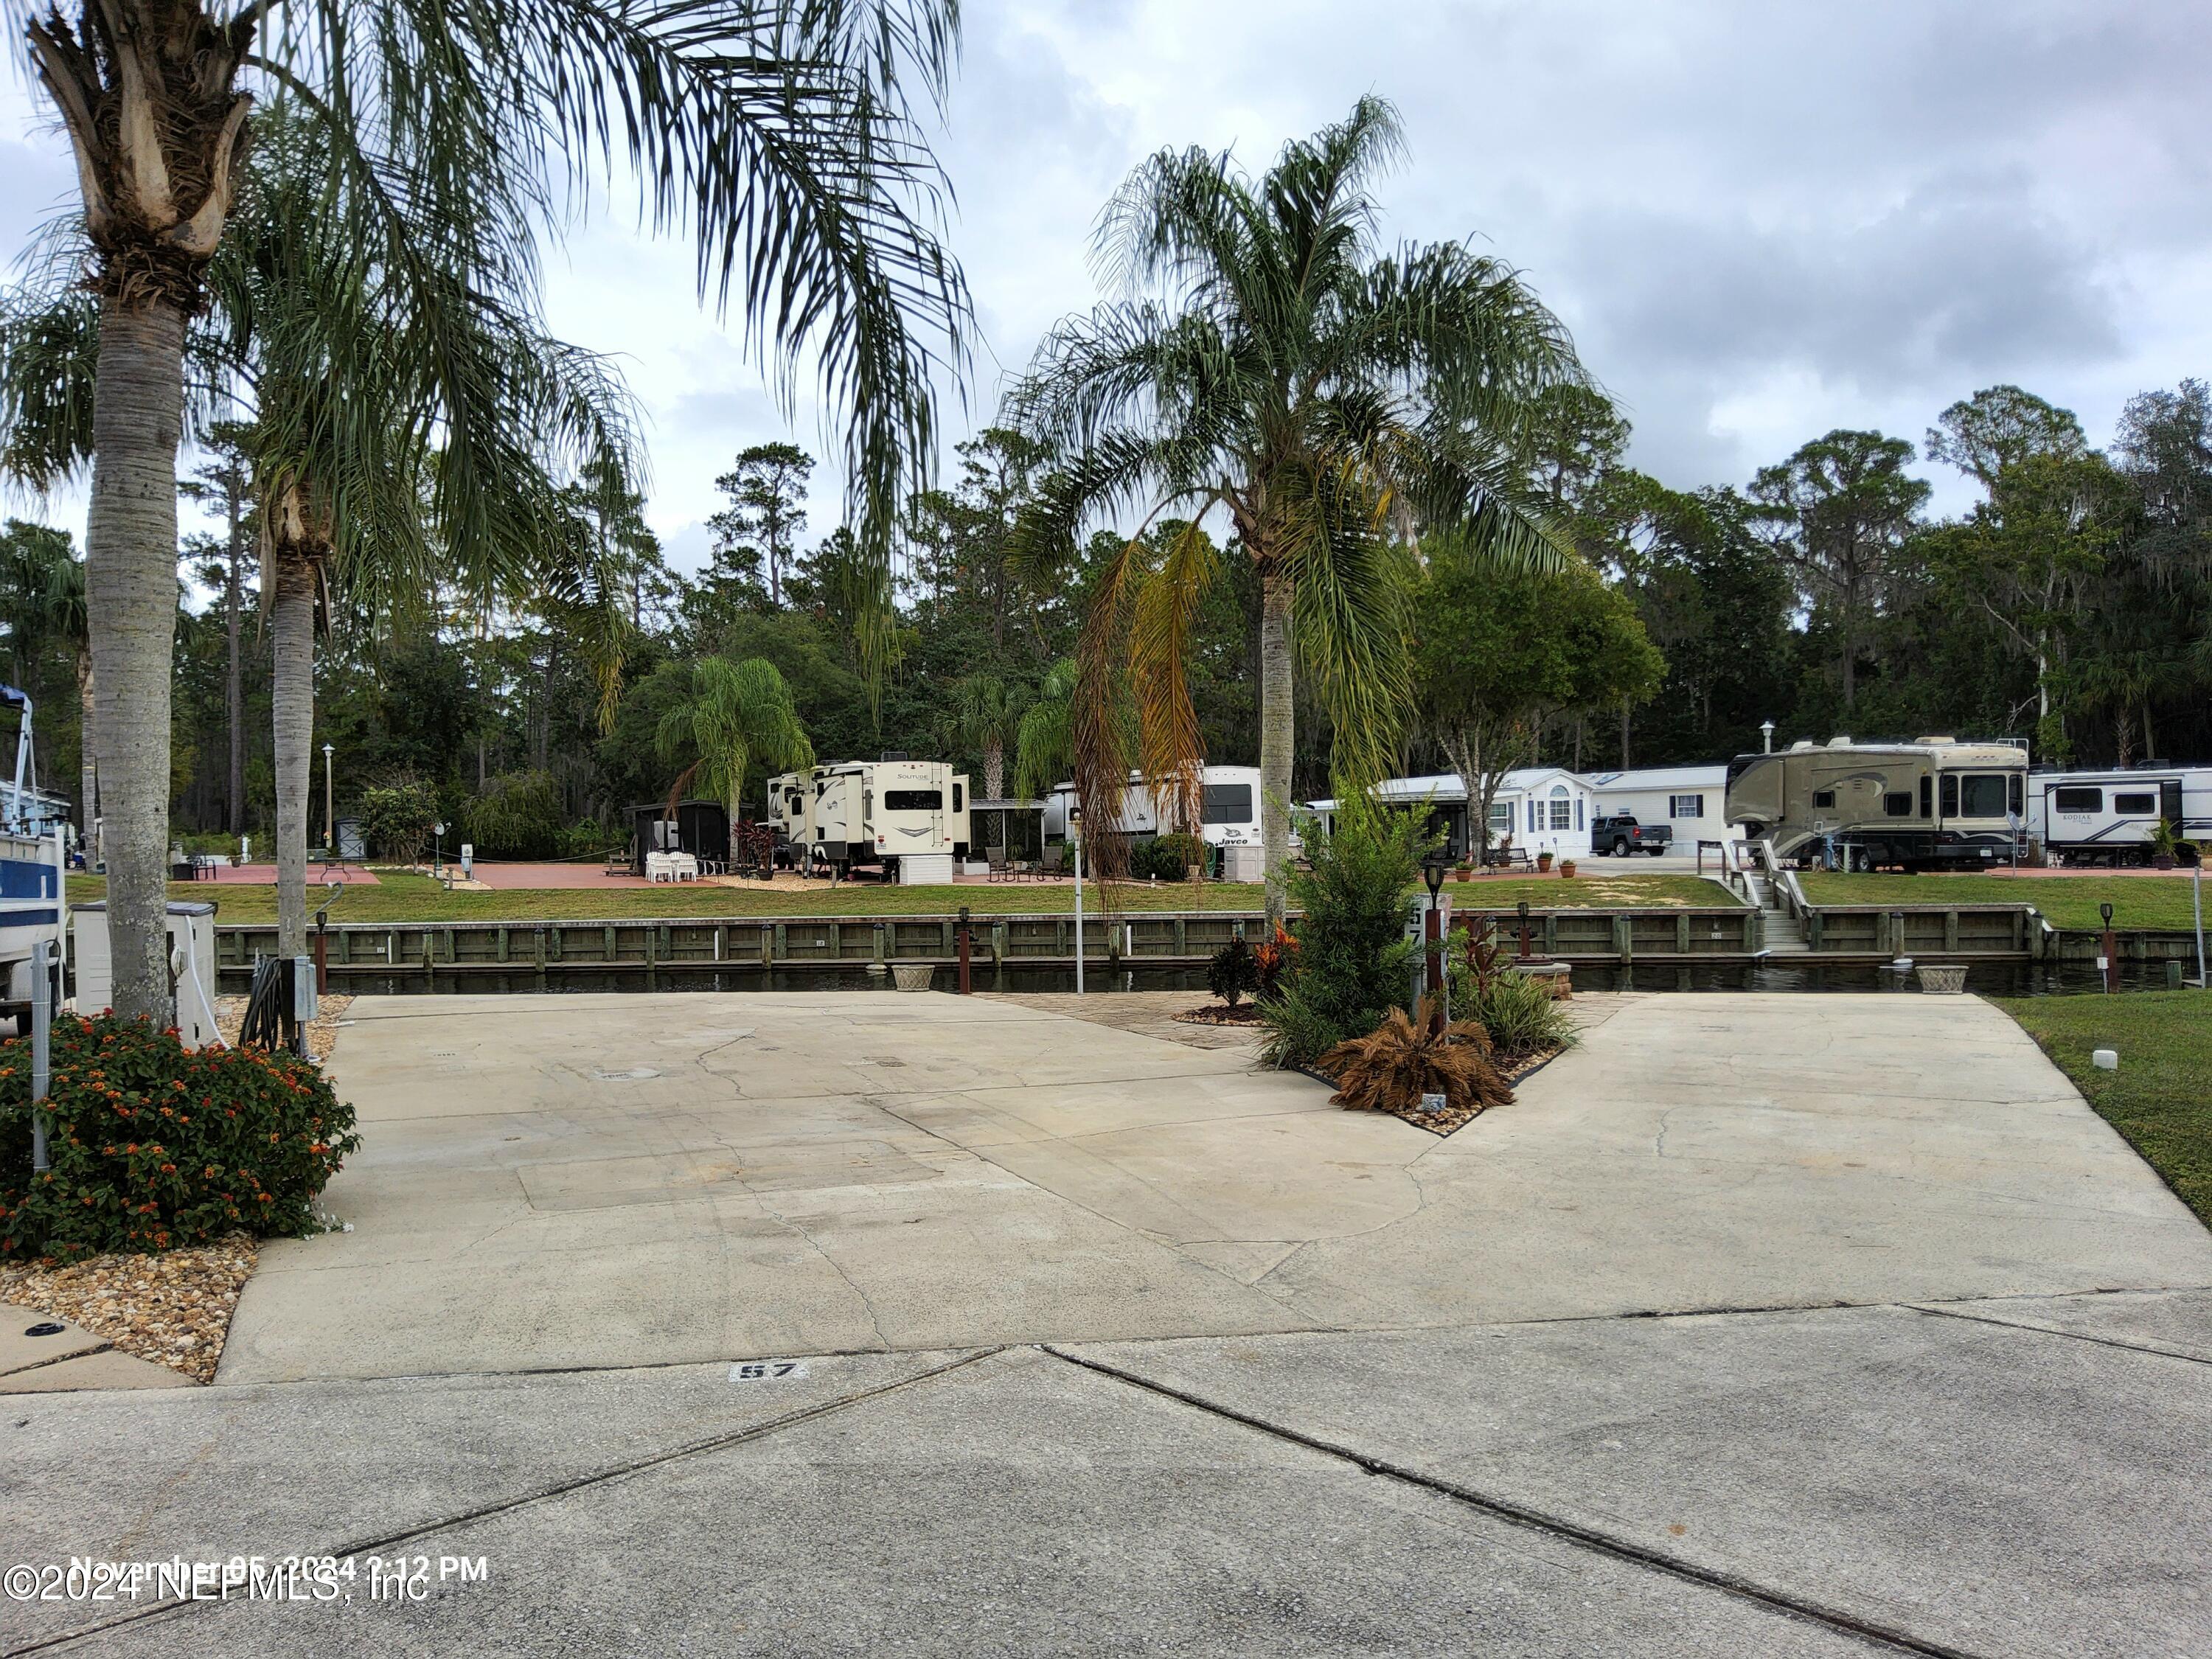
(1991, 979)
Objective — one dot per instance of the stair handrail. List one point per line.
(1784, 882)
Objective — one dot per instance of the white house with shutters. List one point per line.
(1690, 799)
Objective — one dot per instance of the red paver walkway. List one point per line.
(265, 875)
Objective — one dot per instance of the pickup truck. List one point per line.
(1623, 835)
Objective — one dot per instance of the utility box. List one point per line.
(191, 965)
(1244, 863)
(925, 869)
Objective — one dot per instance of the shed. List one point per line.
(700, 828)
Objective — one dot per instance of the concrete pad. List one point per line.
(689, 1177)
(109, 1368)
(19, 1349)
(1017, 1506)
(1999, 1490)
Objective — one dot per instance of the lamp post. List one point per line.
(330, 809)
(1766, 737)
(1432, 873)
(438, 831)
(1075, 837)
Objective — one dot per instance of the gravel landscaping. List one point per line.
(172, 1308)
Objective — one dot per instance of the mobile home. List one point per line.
(1927, 805)
(1542, 808)
(2112, 816)
(1692, 800)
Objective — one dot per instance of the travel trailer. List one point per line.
(891, 814)
(1933, 803)
(2112, 816)
(1229, 811)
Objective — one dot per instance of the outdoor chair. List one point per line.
(1001, 868)
(1054, 856)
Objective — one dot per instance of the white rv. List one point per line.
(894, 814)
(2110, 817)
(1229, 808)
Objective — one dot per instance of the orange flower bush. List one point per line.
(153, 1145)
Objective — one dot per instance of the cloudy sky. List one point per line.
(1760, 220)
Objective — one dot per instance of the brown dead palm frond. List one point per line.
(1393, 1065)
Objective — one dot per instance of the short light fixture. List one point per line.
(1432, 871)
(1766, 737)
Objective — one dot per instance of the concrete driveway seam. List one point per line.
(1556, 1526)
(383, 1542)
(1936, 1310)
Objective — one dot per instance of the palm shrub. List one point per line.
(1402, 1059)
(153, 1145)
(1352, 961)
(1233, 972)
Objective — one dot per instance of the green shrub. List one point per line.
(1521, 1014)
(397, 819)
(1351, 962)
(518, 816)
(588, 840)
(1166, 858)
(1233, 972)
(154, 1145)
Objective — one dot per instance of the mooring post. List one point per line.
(963, 950)
(1524, 930)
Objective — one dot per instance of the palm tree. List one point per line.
(731, 717)
(775, 131)
(986, 712)
(1265, 360)
(1044, 742)
(405, 424)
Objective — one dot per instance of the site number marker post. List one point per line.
(1075, 835)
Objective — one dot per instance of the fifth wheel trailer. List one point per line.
(1935, 804)
(885, 813)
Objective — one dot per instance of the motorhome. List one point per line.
(1932, 803)
(887, 813)
(2112, 817)
(1229, 808)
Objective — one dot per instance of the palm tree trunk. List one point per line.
(130, 594)
(1276, 733)
(88, 764)
(234, 681)
(292, 691)
(994, 767)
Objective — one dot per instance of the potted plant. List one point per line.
(1566, 869)
(1463, 870)
(1543, 864)
(2165, 845)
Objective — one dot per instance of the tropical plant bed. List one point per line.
(172, 1308)
(1511, 1070)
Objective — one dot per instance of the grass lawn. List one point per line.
(401, 898)
(2157, 902)
(2159, 1098)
